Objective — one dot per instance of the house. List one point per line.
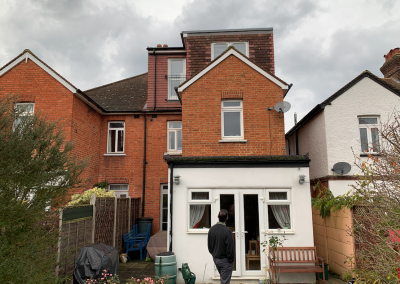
(344, 128)
(233, 156)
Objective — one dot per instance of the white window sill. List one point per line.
(233, 141)
(200, 231)
(173, 153)
(115, 154)
(282, 232)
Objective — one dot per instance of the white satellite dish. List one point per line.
(282, 107)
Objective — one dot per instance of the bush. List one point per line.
(84, 198)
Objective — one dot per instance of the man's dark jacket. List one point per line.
(220, 242)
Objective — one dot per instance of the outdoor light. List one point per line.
(176, 179)
(302, 179)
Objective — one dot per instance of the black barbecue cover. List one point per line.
(93, 259)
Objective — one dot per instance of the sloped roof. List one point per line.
(388, 83)
(125, 95)
(232, 51)
(27, 54)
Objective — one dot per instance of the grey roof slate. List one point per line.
(126, 95)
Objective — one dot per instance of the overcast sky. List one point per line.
(319, 45)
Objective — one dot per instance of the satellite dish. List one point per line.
(341, 168)
(282, 107)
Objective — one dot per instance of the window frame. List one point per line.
(288, 201)
(118, 192)
(174, 96)
(116, 137)
(229, 44)
(162, 192)
(369, 132)
(24, 113)
(191, 201)
(232, 109)
(176, 130)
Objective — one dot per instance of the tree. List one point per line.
(37, 168)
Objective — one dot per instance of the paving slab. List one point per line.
(136, 269)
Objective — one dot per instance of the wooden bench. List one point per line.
(306, 257)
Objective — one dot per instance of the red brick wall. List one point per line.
(129, 168)
(261, 50)
(161, 82)
(201, 112)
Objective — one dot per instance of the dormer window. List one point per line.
(176, 75)
(219, 47)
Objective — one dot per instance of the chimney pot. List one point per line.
(165, 45)
(391, 53)
(159, 45)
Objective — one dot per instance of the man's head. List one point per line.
(223, 215)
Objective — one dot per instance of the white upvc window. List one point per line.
(218, 48)
(121, 190)
(176, 75)
(164, 207)
(199, 209)
(232, 120)
(369, 133)
(174, 136)
(279, 210)
(116, 136)
(23, 110)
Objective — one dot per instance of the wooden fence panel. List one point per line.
(122, 223)
(104, 227)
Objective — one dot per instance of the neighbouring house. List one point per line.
(233, 156)
(344, 128)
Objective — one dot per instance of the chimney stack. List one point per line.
(391, 67)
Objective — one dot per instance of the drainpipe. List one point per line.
(144, 164)
(155, 62)
(171, 186)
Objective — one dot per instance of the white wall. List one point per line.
(191, 248)
(340, 187)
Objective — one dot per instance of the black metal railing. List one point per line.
(173, 82)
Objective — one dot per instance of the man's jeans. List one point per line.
(224, 268)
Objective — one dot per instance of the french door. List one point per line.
(246, 221)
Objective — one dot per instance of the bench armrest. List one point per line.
(321, 259)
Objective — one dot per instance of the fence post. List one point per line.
(115, 219)
(93, 202)
(326, 242)
(129, 214)
(60, 216)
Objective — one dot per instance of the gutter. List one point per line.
(154, 86)
(171, 187)
(144, 163)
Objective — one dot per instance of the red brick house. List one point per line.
(195, 134)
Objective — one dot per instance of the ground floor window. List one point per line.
(279, 210)
(199, 209)
(121, 190)
(164, 207)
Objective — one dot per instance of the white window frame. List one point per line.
(232, 109)
(162, 192)
(172, 96)
(369, 132)
(288, 201)
(175, 130)
(24, 113)
(118, 193)
(229, 44)
(116, 137)
(198, 202)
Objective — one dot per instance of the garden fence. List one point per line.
(105, 220)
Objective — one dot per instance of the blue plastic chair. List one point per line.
(134, 242)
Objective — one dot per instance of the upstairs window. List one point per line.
(369, 134)
(116, 136)
(232, 119)
(176, 76)
(24, 110)
(218, 48)
(174, 136)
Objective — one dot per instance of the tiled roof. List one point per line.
(126, 95)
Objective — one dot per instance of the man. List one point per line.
(221, 247)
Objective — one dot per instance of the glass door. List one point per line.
(246, 221)
(229, 200)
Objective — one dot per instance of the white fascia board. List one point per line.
(27, 56)
(241, 57)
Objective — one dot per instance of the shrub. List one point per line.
(84, 198)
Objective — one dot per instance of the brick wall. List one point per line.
(161, 82)
(201, 112)
(129, 169)
(261, 50)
